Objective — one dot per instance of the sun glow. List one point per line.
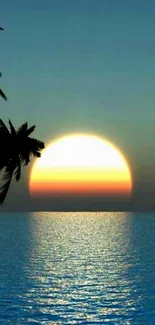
(80, 164)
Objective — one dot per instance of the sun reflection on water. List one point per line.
(83, 263)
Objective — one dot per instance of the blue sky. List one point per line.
(83, 66)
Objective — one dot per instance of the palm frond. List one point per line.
(7, 177)
(31, 147)
(17, 172)
(3, 95)
(12, 129)
(5, 145)
(22, 129)
(35, 144)
(3, 129)
(30, 130)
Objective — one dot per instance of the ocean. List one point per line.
(77, 268)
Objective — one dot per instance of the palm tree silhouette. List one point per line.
(16, 150)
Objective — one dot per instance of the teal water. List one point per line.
(77, 268)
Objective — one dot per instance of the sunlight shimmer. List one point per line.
(80, 164)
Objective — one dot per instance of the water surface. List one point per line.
(77, 268)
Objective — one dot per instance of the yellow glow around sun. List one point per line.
(82, 164)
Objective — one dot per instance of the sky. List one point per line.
(82, 66)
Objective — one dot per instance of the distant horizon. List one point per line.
(144, 209)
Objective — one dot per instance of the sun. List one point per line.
(80, 164)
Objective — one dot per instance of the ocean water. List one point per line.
(77, 268)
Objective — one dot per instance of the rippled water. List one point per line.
(77, 268)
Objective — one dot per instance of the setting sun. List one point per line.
(80, 164)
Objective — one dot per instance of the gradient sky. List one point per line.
(85, 66)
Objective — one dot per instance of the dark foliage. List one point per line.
(16, 150)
